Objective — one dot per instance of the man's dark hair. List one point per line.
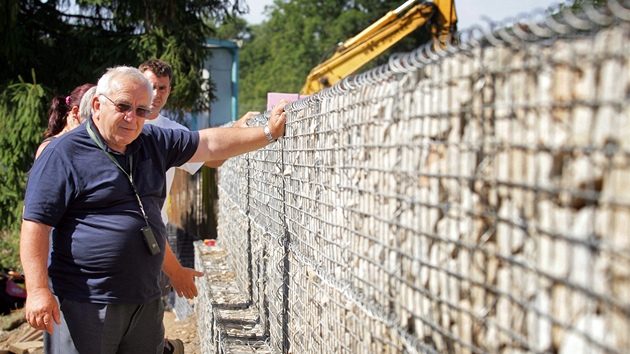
(159, 67)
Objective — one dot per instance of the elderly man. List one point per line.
(101, 187)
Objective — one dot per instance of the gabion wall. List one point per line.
(468, 200)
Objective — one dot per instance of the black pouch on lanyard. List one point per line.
(150, 240)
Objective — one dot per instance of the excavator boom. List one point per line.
(378, 37)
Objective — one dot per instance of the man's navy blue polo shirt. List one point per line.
(98, 252)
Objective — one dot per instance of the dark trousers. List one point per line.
(108, 329)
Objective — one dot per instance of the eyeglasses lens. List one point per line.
(124, 108)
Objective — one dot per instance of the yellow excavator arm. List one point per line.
(381, 35)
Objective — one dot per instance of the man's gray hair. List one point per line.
(114, 76)
(85, 108)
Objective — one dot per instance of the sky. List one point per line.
(469, 12)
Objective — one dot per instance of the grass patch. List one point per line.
(12, 320)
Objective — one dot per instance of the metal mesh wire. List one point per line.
(470, 199)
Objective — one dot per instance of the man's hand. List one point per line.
(182, 278)
(41, 309)
(223, 143)
(183, 282)
(242, 122)
(278, 119)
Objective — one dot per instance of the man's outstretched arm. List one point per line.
(223, 143)
(241, 123)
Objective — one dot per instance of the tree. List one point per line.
(233, 28)
(299, 35)
(65, 44)
(21, 105)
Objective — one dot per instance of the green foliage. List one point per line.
(280, 53)
(277, 55)
(233, 29)
(68, 43)
(10, 250)
(21, 107)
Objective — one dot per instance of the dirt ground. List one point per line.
(15, 330)
(186, 330)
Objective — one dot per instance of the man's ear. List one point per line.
(96, 105)
(74, 112)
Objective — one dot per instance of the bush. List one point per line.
(10, 250)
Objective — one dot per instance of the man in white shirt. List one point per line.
(160, 74)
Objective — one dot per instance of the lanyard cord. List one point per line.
(129, 175)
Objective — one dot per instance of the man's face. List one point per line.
(117, 128)
(161, 91)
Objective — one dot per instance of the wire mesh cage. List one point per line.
(470, 199)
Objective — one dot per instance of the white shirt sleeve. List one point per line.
(191, 167)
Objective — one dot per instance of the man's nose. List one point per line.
(130, 115)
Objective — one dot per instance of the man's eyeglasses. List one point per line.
(125, 107)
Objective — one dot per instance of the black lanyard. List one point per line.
(129, 175)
